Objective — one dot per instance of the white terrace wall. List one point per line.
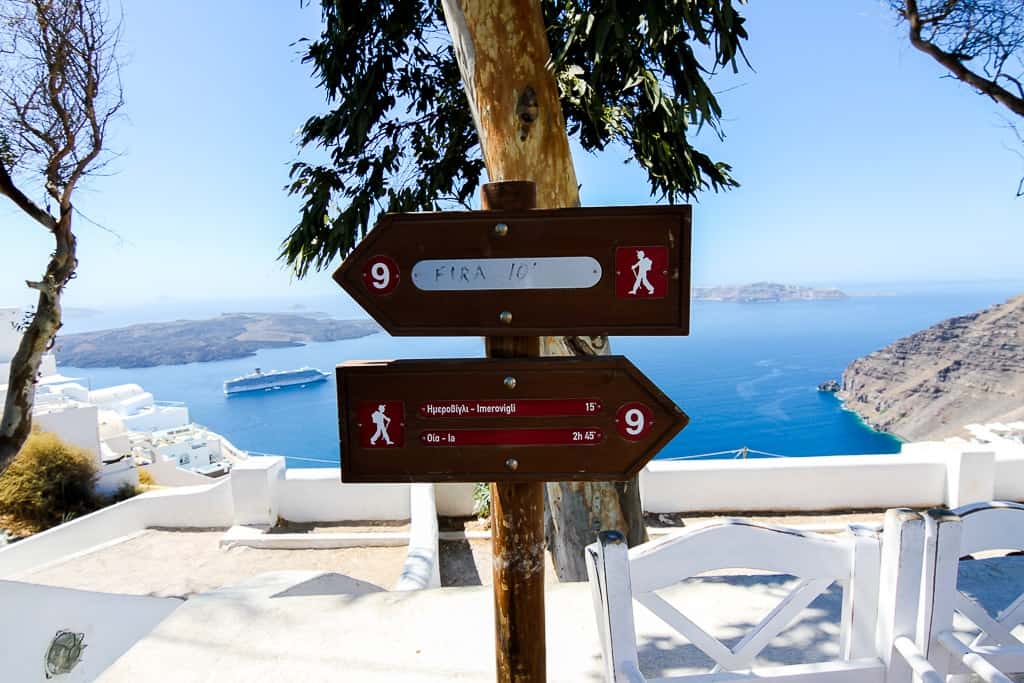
(823, 483)
(32, 615)
(263, 490)
(167, 473)
(923, 475)
(193, 506)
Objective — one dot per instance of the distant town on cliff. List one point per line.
(764, 292)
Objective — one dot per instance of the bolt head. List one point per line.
(509, 382)
(512, 464)
(505, 317)
(501, 230)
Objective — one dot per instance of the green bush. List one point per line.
(124, 491)
(48, 482)
(482, 500)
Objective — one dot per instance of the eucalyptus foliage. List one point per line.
(399, 135)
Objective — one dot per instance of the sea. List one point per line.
(746, 375)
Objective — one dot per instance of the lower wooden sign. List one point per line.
(520, 419)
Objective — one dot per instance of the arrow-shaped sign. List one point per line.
(608, 270)
(548, 419)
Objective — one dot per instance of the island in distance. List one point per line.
(765, 292)
(230, 335)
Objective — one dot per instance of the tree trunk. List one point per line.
(36, 340)
(503, 54)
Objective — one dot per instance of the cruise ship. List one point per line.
(272, 380)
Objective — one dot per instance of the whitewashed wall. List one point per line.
(32, 615)
(9, 338)
(193, 506)
(113, 475)
(924, 475)
(317, 495)
(454, 500)
(793, 484)
(167, 473)
(77, 425)
(422, 568)
(261, 489)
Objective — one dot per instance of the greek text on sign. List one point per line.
(541, 407)
(496, 420)
(576, 271)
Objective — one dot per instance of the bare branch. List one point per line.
(953, 61)
(8, 189)
(970, 30)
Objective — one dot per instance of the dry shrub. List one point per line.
(146, 478)
(48, 482)
(124, 491)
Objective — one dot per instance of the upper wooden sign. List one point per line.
(584, 271)
(548, 419)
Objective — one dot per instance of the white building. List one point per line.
(123, 426)
(9, 338)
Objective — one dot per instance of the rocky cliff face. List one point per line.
(932, 383)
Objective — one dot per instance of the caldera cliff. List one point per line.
(929, 385)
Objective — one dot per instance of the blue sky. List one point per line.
(859, 162)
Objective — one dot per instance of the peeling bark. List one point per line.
(36, 341)
(503, 55)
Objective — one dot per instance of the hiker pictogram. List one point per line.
(642, 272)
(640, 269)
(381, 421)
(381, 424)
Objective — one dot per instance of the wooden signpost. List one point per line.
(513, 273)
(580, 271)
(543, 419)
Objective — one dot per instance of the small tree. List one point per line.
(59, 89)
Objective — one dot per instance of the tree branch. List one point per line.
(956, 67)
(8, 189)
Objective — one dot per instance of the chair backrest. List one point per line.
(818, 561)
(949, 536)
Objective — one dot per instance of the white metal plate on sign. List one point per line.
(546, 272)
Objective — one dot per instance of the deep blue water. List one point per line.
(746, 375)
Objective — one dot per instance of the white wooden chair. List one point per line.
(880, 595)
(987, 647)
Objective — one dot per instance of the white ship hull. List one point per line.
(274, 383)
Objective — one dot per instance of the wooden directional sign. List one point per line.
(547, 419)
(581, 271)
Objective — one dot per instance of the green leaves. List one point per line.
(400, 136)
(628, 72)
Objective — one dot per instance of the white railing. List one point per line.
(923, 475)
(906, 614)
(880, 597)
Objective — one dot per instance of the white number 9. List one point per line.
(635, 421)
(381, 275)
